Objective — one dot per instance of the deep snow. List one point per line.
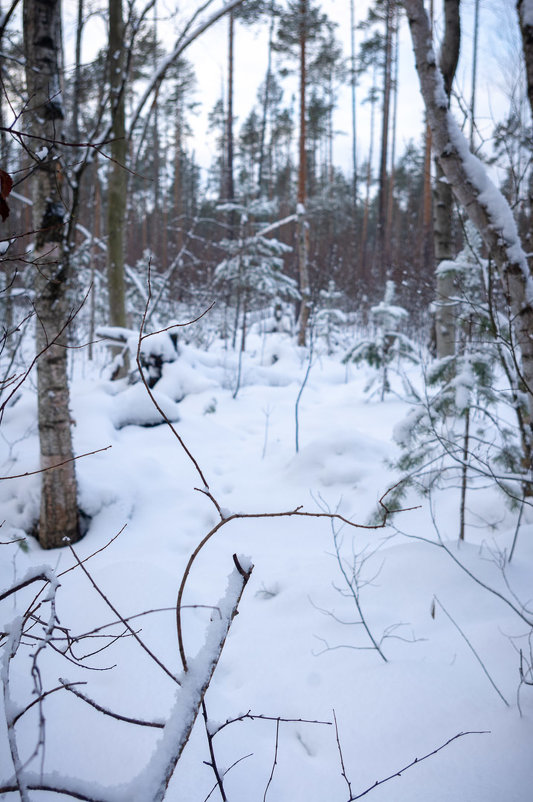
(293, 649)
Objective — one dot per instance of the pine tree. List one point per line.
(388, 346)
(253, 267)
(456, 433)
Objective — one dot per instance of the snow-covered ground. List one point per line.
(297, 649)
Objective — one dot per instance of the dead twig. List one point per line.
(417, 760)
(274, 764)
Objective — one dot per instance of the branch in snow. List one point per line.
(415, 761)
(152, 782)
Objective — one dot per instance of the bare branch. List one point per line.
(417, 760)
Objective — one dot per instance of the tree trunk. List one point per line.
(42, 48)
(302, 225)
(474, 74)
(77, 77)
(484, 204)
(367, 282)
(445, 334)
(266, 107)
(525, 16)
(178, 181)
(229, 183)
(395, 67)
(381, 268)
(117, 175)
(354, 117)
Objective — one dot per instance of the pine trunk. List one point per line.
(302, 225)
(230, 189)
(117, 173)
(381, 268)
(265, 110)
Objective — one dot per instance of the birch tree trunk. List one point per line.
(525, 16)
(483, 202)
(42, 46)
(443, 198)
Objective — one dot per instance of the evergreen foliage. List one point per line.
(457, 432)
(389, 347)
(254, 263)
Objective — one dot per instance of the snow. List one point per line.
(135, 407)
(288, 652)
(492, 199)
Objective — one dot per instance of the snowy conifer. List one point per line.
(459, 431)
(389, 345)
(329, 318)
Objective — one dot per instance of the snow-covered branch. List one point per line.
(152, 782)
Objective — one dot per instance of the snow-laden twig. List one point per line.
(14, 634)
(152, 782)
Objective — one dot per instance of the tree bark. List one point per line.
(474, 75)
(266, 108)
(77, 76)
(445, 334)
(526, 29)
(380, 267)
(353, 85)
(229, 188)
(116, 213)
(302, 225)
(42, 48)
(484, 204)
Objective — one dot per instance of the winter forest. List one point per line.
(266, 400)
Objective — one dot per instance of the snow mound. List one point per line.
(182, 378)
(135, 407)
(337, 460)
